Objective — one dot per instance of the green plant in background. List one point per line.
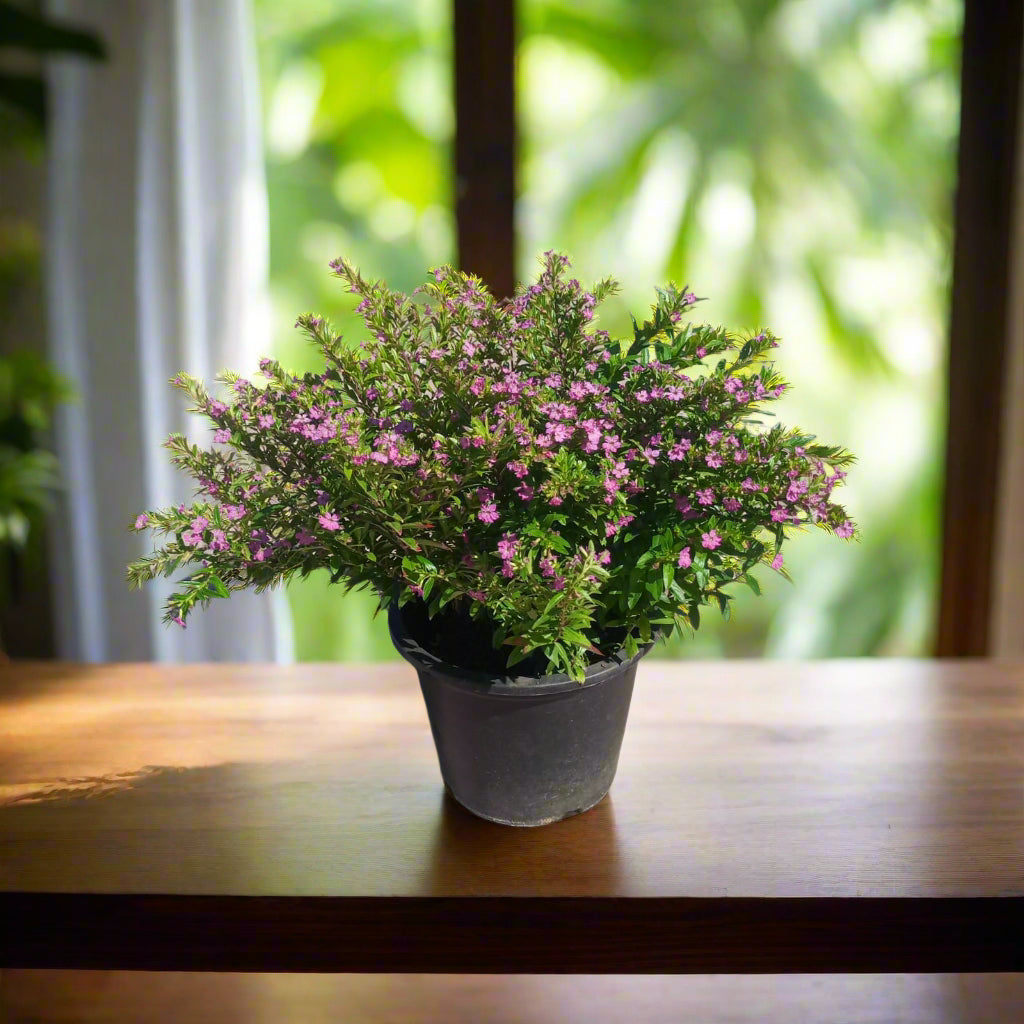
(573, 491)
(796, 157)
(30, 388)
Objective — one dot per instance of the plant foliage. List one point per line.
(509, 457)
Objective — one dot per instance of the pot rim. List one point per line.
(501, 684)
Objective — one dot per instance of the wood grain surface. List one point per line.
(767, 817)
(122, 997)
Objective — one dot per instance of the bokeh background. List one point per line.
(792, 160)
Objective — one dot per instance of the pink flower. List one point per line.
(713, 459)
(232, 511)
(604, 557)
(731, 505)
(488, 512)
(525, 492)
(556, 500)
(685, 561)
(683, 504)
(846, 530)
(329, 521)
(710, 540)
(141, 520)
(266, 420)
(678, 451)
(217, 408)
(777, 561)
(179, 620)
(507, 546)
(706, 497)
(222, 435)
(558, 583)
(218, 541)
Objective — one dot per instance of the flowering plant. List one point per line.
(507, 463)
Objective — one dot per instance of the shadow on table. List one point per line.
(474, 857)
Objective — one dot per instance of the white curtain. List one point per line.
(157, 251)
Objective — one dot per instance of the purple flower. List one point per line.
(265, 420)
(678, 451)
(218, 541)
(507, 546)
(525, 492)
(713, 459)
(217, 408)
(706, 497)
(777, 561)
(685, 561)
(731, 505)
(846, 530)
(710, 540)
(141, 521)
(232, 512)
(222, 435)
(558, 583)
(329, 521)
(488, 512)
(304, 537)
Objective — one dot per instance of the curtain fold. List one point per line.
(157, 250)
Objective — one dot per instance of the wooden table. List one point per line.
(767, 818)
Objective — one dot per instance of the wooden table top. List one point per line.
(767, 817)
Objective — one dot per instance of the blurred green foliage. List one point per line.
(791, 159)
(30, 388)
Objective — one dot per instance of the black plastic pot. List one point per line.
(523, 750)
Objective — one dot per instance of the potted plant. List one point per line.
(533, 502)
